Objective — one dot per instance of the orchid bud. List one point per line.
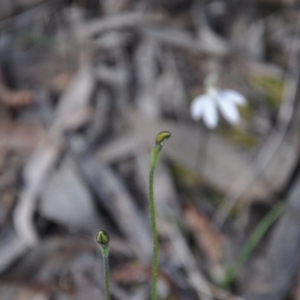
(103, 239)
(161, 138)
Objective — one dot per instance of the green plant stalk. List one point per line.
(252, 242)
(154, 157)
(106, 276)
(159, 142)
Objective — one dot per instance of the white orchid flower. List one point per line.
(206, 106)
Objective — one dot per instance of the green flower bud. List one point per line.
(161, 138)
(102, 238)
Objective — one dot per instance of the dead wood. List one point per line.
(14, 99)
(110, 189)
(118, 22)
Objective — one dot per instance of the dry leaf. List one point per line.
(208, 239)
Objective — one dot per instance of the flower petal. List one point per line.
(210, 114)
(198, 106)
(233, 96)
(229, 110)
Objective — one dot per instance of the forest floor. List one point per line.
(85, 86)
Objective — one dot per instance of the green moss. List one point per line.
(185, 177)
(190, 182)
(235, 211)
(246, 112)
(238, 136)
(214, 195)
(271, 87)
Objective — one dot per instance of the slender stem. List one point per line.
(103, 240)
(159, 142)
(106, 276)
(252, 242)
(154, 156)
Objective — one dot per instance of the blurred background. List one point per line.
(85, 86)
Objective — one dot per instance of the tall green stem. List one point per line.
(160, 139)
(154, 156)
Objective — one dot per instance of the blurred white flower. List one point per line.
(206, 106)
